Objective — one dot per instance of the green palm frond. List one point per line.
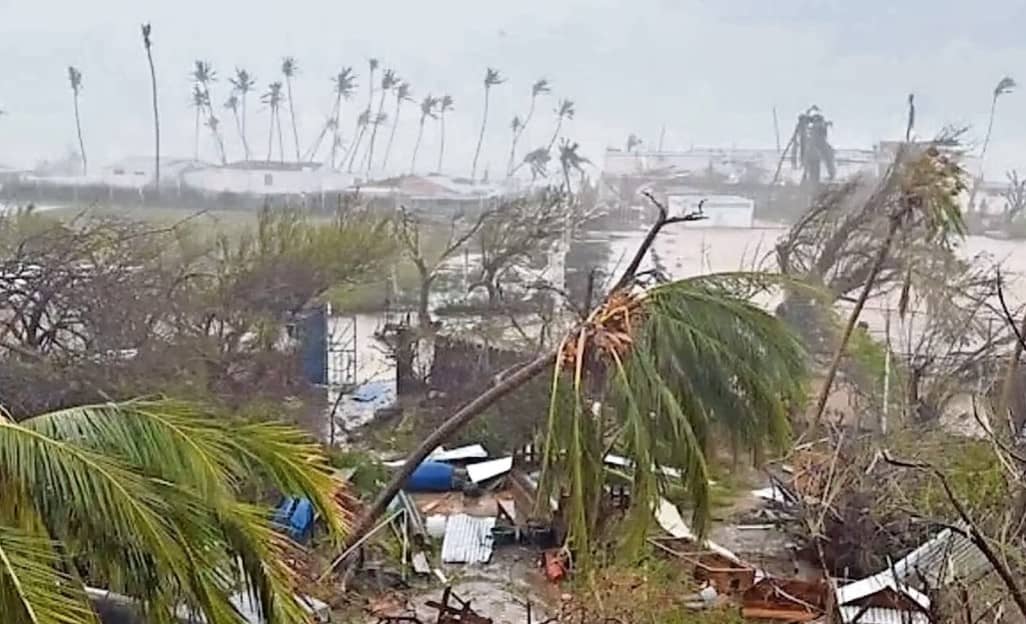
(679, 370)
(32, 589)
(147, 496)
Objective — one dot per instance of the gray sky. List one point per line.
(710, 71)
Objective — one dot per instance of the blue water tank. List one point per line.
(431, 476)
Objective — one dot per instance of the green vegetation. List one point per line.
(147, 499)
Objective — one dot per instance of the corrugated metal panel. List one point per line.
(873, 615)
(948, 556)
(467, 539)
(874, 584)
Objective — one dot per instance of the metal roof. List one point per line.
(949, 555)
(874, 584)
(467, 539)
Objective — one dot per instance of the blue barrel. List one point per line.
(431, 477)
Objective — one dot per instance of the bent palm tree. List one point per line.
(75, 78)
(515, 126)
(402, 94)
(444, 105)
(1003, 87)
(273, 99)
(427, 109)
(199, 102)
(289, 69)
(677, 364)
(243, 83)
(492, 78)
(145, 498)
(204, 75)
(344, 83)
(388, 82)
(565, 110)
(363, 119)
(232, 104)
(540, 87)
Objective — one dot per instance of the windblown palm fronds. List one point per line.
(145, 498)
(675, 371)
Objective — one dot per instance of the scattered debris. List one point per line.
(483, 471)
(882, 599)
(790, 600)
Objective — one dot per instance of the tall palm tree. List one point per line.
(364, 119)
(199, 102)
(289, 69)
(492, 78)
(232, 104)
(204, 75)
(427, 110)
(273, 99)
(148, 45)
(402, 94)
(150, 498)
(1004, 86)
(75, 78)
(445, 104)
(242, 84)
(389, 81)
(540, 87)
(344, 84)
(565, 110)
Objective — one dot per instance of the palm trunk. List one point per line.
(81, 143)
(245, 141)
(238, 122)
(983, 152)
(391, 135)
(441, 139)
(156, 117)
(195, 136)
(555, 133)
(374, 132)
(270, 138)
(334, 135)
(354, 148)
(281, 142)
(416, 146)
(517, 135)
(292, 113)
(881, 257)
(480, 136)
(311, 154)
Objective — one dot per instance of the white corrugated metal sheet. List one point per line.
(948, 556)
(669, 518)
(871, 585)
(874, 615)
(467, 539)
(472, 451)
(482, 471)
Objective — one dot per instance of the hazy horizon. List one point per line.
(711, 73)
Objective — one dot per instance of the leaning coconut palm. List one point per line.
(289, 69)
(242, 84)
(361, 128)
(75, 79)
(402, 94)
(203, 75)
(344, 84)
(147, 499)
(199, 102)
(515, 126)
(564, 111)
(674, 367)
(427, 109)
(389, 81)
(492, 78)
(1004, 86)
(362, 120)
(921, 187)
(273, 99)
(445, 104)
(540, 87)
(232, 104)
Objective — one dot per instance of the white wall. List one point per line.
(266, 181)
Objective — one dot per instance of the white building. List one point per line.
(721, 211)
(139, 171)
(268, 178)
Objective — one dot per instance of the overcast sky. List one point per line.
(710, 72)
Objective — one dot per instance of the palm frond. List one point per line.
(33, 589)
